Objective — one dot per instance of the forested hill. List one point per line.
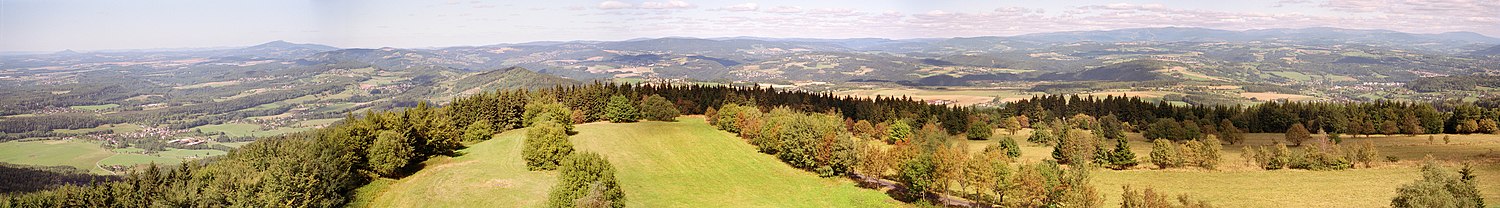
(510, 78)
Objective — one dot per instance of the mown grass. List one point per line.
(659, 164)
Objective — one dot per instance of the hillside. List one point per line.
(509, 78)
(661, 164)
(1138, 70)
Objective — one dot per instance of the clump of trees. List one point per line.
(391, 152)
(1440, 187)
(1323, 155)
(819, 142)
(1204, 154)
(657, 108)
(586, 180)
(1150, 198)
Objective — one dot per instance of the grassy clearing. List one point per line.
(1297, 76)
(171, 156)
(244, 129)
(118, 128)
(94, 107)
(81, 155)
(660, 164)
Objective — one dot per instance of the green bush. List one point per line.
(553, 110)
(391, 152)
(657, 108)
(586, 180)
(546, 145)
(621, 110)
(478, 131)
(1440, 187)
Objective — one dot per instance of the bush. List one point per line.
(1153, 199)
(1440, 187)
(657, 108)
(1297, 134)
(546, 145)
(1164, 154)
(478, 131)
(391, 152)
(621, 110)
(552, 110)
(1012, 150)
(586, 180)
(979, 129)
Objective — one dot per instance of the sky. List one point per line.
(55, 25)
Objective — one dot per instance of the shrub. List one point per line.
(588, 178)
(478, 131)
(1153, 199)
(546, 145)
(1297, 134)
(553, 110)
(1164, 154)
(1440, 187)
(621, 110)
(657, 108)
(1012, 150)
(979, 129)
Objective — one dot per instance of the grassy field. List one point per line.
(659, 164)
(87, 155)
(1237, 184)
(244, 129)
(171, 156)
(81, 155)
(118, 128)
(94, 107)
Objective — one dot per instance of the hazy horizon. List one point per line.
(49, 26)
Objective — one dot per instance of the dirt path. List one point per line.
(946, 200)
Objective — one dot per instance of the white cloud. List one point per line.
(670, 4)
(785, 9)
(614, 5)
(742, 7)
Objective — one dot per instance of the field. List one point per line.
(659, 164)
(1268, 96)
(244, 129)
(1236, 184)
(81, 155)
(94, 107)
(88, 155)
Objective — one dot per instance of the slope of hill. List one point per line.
(279, 50)
(660, 164)
(509, 78)
(1138, 70)
(1491, 51)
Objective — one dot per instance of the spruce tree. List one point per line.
(621, 110)
(1122, 158)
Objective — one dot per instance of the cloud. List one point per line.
(785, 9)
(614, 5)
(670, 4)
(745, 7)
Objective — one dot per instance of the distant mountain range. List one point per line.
(1277, 55)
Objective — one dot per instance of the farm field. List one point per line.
(244, 129)
(659, 164)
(88, 155)
(94, 107)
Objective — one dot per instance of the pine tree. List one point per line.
(1122, 158)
